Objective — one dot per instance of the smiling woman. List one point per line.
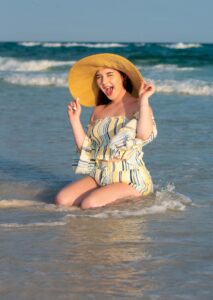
(122, 123)
(104, 97)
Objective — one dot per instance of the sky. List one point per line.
(109, 20)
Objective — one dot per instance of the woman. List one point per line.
(121, 124)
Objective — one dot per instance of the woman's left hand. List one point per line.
(146, 90)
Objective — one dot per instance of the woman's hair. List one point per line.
(102, 98)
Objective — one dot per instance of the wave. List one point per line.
(11, 64)
(36, 224)
(18, 203)
(188, 87)
(182, 45)
(37, 80)
(72, 44)
(88, 45)
(169, 68)
(34, 205)
(164, 200)
(14, 203)
(29, 44)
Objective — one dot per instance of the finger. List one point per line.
(77, 102)
(71, 108)
(149, 85)
(142, 83)
(70, 105)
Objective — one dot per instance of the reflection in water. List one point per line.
(87, 259)
(110, 253)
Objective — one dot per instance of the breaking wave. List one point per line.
(182, 45)
(11, 64)
(72, 44)
(188, 87)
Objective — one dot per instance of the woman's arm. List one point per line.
(74, 112)
(145, 123)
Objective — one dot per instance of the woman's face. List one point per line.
(110, 82)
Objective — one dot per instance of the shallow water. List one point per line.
(160, 248)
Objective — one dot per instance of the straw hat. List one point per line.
(81, 78)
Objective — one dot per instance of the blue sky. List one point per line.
(112, 20)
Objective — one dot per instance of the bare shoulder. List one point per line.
(96, 112)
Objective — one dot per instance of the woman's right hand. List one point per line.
(74, 110)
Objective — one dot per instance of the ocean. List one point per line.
(158, 248)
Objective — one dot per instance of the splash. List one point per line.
(164, 200)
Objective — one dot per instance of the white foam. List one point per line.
(72, 44)
(37, 80)
(30, 44)
(36, 224)
(187, 87)
(170, 68)
(88, 45)
(182, 45)
(11, 64)
(165, 200)
(52, 45)
(14, 203)
(19, 203)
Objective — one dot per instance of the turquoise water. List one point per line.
(155, 249)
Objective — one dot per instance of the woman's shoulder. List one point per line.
(96, 112)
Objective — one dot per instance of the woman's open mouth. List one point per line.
(108, 91)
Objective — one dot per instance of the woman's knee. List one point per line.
(89, 202)
(61, 199)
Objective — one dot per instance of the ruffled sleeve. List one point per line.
(125, 145)
(87, 155)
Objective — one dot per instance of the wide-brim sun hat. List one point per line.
(81, 77)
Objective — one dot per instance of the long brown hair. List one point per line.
(127, 84)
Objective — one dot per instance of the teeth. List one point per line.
(109, 89)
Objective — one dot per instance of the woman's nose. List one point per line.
(104, 80)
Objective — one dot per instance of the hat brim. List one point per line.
(81, 78)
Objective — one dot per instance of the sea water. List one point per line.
(158, 248)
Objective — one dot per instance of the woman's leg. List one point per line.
(74, 193)
(108, 194)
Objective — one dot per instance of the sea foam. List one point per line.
(37, 80)
(170, 68)
(182, 45)
(11, 64)
(72, 44)
(29, 44)
(164, 200)
(188, 87)
(95, 45)
(36, 224)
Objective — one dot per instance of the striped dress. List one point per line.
(114, 138)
